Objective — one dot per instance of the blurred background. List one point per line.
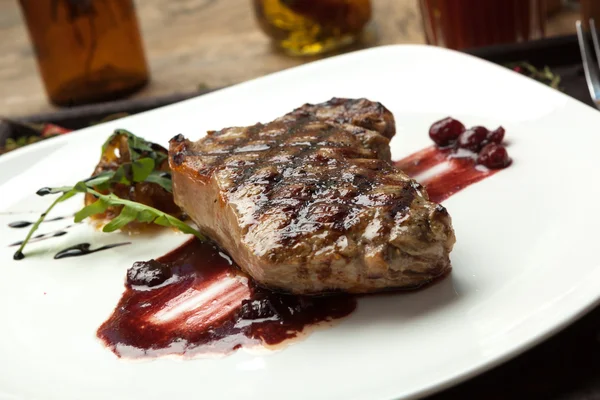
(57, 54)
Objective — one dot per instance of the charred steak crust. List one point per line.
(360, 112)
(310, 203)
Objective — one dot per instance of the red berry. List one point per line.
(473, 138)
(148, 273)
(493, 156)
(496, 136)
(445, 132)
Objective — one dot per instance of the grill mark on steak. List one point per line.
(184, 151)
(293, 171)
(310, 202)
(298, 159)
(360, 112)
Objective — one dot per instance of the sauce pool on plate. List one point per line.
(195, 301)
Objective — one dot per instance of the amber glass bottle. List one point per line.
(87, 50)
(305, 27)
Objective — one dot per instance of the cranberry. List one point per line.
(148, 273)
(496, 136)
(267, 305)
(493, 156)
(473, 138)
(445, 132)
(256, 309)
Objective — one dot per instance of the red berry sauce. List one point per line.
(195, 301)
(471, 154)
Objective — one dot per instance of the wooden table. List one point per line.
(194, 42)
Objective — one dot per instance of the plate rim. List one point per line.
(450, 380)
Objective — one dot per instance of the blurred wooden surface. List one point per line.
(196, 42)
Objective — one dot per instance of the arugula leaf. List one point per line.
(136, 145)
(100, 180)
(145, 216)
(97, 207)
(161, 178)
(127, 215)
(122, 175)
(80, 187)
(139, 168)
(142, 168)
(144, 159)
(142, 213)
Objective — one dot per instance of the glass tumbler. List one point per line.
(462, 24)
(307, 27)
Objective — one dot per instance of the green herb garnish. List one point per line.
(142, 168)
(544, 75)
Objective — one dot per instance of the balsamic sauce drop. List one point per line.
(44, 191)
(18, 255)
(19, 224)
(42, 236)
(25, 224)
(83, 249)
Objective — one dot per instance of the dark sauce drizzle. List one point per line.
(46, 191)
(18, 255)
(25, 224)
(42, 236)
(20, 224)
(83, 249)
(77, 250)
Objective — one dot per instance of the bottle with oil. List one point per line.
(308, 27)
(87, 50)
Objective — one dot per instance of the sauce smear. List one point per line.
(207, 306)
(457, 174)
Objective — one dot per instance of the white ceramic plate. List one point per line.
(525, 262)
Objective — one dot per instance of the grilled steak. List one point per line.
(310, 203)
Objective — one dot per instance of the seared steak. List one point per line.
(310, 203)
(360, 112)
